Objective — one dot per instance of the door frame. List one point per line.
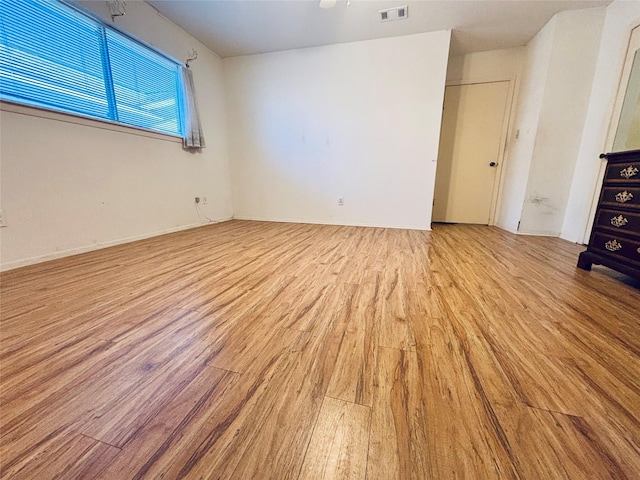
(614, 117)
(505, 135)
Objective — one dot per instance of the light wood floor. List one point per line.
(251, 350)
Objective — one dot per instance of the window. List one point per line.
(57, 57)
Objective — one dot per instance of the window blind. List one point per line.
(51, 57)
(54, 56)
(145, 85)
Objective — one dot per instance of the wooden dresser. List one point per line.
(615, 238)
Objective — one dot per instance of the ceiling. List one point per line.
(243, 27)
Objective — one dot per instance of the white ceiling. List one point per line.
(242, 27)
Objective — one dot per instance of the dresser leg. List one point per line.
(584, 262)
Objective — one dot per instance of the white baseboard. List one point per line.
(506, 228)
(538, 234)
(89, 248)
(311, 222)
(528, 233)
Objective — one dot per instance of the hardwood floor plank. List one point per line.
(394, 330)
(246, 349)
(465, 439)
(205, 405)
(340, 443)
(293, 403)
(399, 446)
(62, 453)
(597, 348)
(153, 374)
(552, 446)
(353, 377)
(27, 372)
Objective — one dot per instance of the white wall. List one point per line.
(71, 185)
(358, 120)
(495, 65)
(564, 105)
(553, 100)
(520, 150)
(621, 16)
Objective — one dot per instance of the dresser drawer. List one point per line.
(618, 221)
(616, 246)
(615, 236)
(619, 196)
(628, 172)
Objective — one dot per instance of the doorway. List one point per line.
(474, 126)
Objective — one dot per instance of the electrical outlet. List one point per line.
(341, 201)
(204, 200)
(197, 200)
(3, 219)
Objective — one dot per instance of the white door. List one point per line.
(467, 174)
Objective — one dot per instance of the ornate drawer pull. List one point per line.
(623, 197)
(613, 245)
(629, 172)
(619, 221)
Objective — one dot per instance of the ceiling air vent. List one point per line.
(390, 14)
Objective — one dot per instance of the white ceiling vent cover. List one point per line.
(396, 13)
